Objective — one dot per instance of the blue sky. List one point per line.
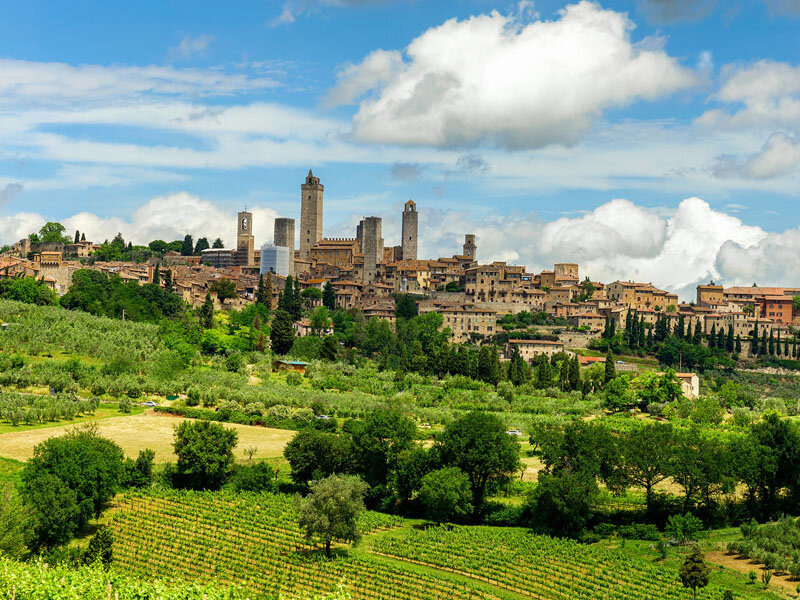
(649, 139)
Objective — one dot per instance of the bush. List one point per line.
(294, 378)
(125, 405)
(259, 477)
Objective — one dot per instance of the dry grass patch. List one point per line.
(147, 430)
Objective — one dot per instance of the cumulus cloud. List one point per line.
(190, 46)
(516, 84)
(168, 217)
(779, 156)
(772, 261)
(353, 81)
(762, 94)
(9, 191)
(673, 11)
(473, 164)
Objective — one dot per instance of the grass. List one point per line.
(147, 430)
(10, 470)
(104, 411)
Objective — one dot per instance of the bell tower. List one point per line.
(310, 214)
(245, 241)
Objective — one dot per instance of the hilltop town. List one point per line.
(475, 299)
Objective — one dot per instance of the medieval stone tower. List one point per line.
(372, 247)
(310, 214)
(470, 249)
(245, 242)
(410, 228)
(284, 236)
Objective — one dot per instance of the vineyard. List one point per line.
(539, 566)
(253, 540)
(36, 581)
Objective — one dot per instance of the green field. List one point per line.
(253, 540)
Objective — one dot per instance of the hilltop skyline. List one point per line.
(646, 144)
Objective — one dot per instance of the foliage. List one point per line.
(100, 548)
(205, 454)
(446, 495)
(314, 455)
(28, 290)
(282, 334)
(694, 572)
(330, 512)
(259, 477)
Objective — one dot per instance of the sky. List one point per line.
(653, 140)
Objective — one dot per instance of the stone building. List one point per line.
(566, 274)
(339, 252)
(245, 241)
(283, 235)
(310, 214)
(531, 349)
(410, 230)
(465, 321)
(710, 295)
(470, 249)
(372, 247)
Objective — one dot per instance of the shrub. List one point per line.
(294, 378)
(259, 477)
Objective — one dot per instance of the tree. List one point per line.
(77, 237)
(477, 443)
(138, 473)
(446, 495)
(187, 248)
(218, 243)
(80, 469)
(205, 454)
(574, 373)
(561, 504)
(311, 295)
(53, 233)
(330, 512)
(617, 393)
(168, 285)
(224, 288)
(83, 237)
(14, 521)
(405, 306)
(328, 296)
(268, 291)
(157, 274)
(281, 336)
(611, 371)
(101, 548)
(384, 435)
(261, 294)
(330, 348)
(206, 312)
(314, 454)
(646, 451)
(694, 572)
(202, 244)
(518, 372)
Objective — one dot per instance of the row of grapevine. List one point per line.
(253, 540)
(538, 566)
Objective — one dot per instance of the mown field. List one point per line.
(253, 540)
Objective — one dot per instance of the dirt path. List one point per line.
(744, 565)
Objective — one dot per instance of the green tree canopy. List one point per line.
(205, 454)
(330, 512)
(694, 572)
(281, 335)
(477, 443)
(53, 232)
(446, 495)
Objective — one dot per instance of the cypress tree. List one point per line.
(77, 236)
(764, 349)
(698, 334)
(564, 375)
(281, 335)
(157, 274)
(721, 338)
(268, 291)
(738, 346)
(206, 312)
(328, 296)
(611, 370)
(681, 332)
(285, 299)
(187, 247)
(771, 346)
(261, 297)
(574, 373)
(712, 337)
(786, 348)
(83, 237)
(754, 340)
(778, 345)
(641, 333)
(168, 284)
(729, 343)
(297, 300)
(613, 328)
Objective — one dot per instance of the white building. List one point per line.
(275, 259)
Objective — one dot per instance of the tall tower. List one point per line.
(372, 247)
(470, 249)
(245, 242)
(284, 236)
(310, 214)
(410, 224)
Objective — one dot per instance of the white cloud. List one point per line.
(515, 84)
(353, 81)
(779, 156)
(294, 8)
(772, 261)
(765, 94)
(190, 46)
(28, 83)
(167, 217)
